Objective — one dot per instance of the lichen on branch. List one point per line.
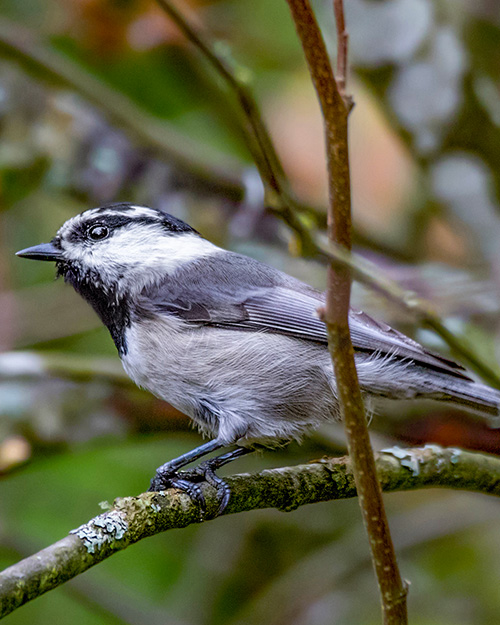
(131, 519)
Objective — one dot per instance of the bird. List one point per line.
(233, 343)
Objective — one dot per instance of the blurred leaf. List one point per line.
(16, 184)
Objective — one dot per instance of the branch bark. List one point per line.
(133, 518)
(335, 107)
(342, 51)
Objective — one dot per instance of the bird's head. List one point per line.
(120, 248)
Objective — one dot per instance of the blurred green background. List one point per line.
(103, 100)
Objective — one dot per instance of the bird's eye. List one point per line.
(97, 233)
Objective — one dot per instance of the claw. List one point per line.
(189, 482)
(177, 479)
(223, 491)
(191, 489)
(206, 472)
(168, 475)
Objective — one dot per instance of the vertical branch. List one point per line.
(335, 106)
(342, 48)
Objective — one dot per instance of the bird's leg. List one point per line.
(169, 476)
(206, 471)
(169, 470)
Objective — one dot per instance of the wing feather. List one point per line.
(295, 313)
(263, 299)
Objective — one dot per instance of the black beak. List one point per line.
(44, 251)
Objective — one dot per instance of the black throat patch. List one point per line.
(113, 311)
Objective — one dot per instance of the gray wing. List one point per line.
(268, 301)
(294, 313)
(373, 336)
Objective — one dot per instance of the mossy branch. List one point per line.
(133, 518)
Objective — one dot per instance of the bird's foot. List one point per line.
(190, 482)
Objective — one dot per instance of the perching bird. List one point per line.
(231, 342)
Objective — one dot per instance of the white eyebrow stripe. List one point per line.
(130, 211)
(142, 211)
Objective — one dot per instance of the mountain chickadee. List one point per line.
(229, 341)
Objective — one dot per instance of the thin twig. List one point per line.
(266, 157)
(335, 115)
(278, 195)
(342, 50)
(133, 518)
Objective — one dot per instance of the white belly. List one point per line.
(245, 375)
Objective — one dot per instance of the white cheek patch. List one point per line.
(145, 249)
(133, 257)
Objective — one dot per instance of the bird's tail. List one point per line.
(474, 397)
(397, 380)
